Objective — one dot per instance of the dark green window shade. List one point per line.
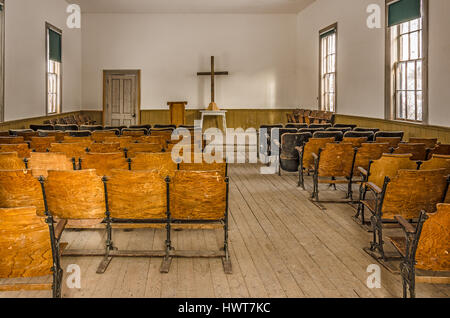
(403, 11)
(54, 46)
(324, 35)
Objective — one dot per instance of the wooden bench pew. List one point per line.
(29, 247)
(208, 205)
(407, 194)
(334, 164)
(306, 158)
(11, 161)
(425, 249)
(387, 166)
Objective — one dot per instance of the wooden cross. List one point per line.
(213, 73)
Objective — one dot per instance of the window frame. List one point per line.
(329, 28)
(391, 54)
(48, 27)
(2, 62)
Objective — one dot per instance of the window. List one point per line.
(54, 68)
(2, 60)
(327, 86)
(407, 82)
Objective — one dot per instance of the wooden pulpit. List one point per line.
(177, 113)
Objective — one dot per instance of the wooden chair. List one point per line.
(59, 135)
(152, 140)
(135, 197)
(360, 134)
(71, 150)
(29, 247)
(356, 142)
(134, 132)
(104, 147)
(132, 149)
(352, 126)
(424, 248)
(23, 150)
(441, 149)
(289, 157)
(365, 129)
(41, 162)
(76, 140)
(390, 134)
(26, 134)
(123, 141)
(337, 135)
(222, 168)
(18, 188)
(154, 161)
(430, 143)
(335, 163)
(387, 166)
(418, 151)
(206, 206)
(100, 135)
(367, 153)
(392, 141)
(437, 162)
(41, 144)
(11, 140)
(407, 194)
(306, 159)
(296, 126)
(42, 127)
(103, 163)
(11, 161)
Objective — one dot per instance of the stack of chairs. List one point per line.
(310, 116)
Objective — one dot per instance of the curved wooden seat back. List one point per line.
(25, 247)
(437, 162)
(204, 166)
(336, 160)
(71, 150)
(412, 191)
(206, 202)
(18, 188)
(433, 250)
(100, 135)
(165, 135)
(123, 141)
(132, 149)
(23, 151)
(11, 140)
(27, 135)
(418, 151)
(59, 135)
(442, 149)
(137, 195)
(42, 144)
(368, 152)
(40, 163)
(11, 161)
(75, 195)
(152, 140)
(388, 166)
(313, 146)
(355, 141)
(103, 163)
(77, 140)
(430, 143)
(133, 133)
(161, 161)
(392, 141)
(106, 147)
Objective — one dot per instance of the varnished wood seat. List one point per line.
(71, 150)
(23, 150)
(11, 161)
(430, 143)
(222, 168)
(306, 158)
(28, 248)
(78, 140)
(123, 141)
(11, 140)
(289, 157)
(441, 149)
(360, 134)
(207, 205)
(425, 248)
(387, 166)
(367, 153)
(407, 194)
(27, 134)
(104, 163)
(418, 151)
(100, 135)
(152, 140)
(437, 162)
(154, 161)
(106, 147)
(41, 162)
(134, 132)
(134, 148)
(41, 144)
(355, 141)
(334, 164)
(392, 141)
(18, 188)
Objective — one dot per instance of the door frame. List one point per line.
(138, 97)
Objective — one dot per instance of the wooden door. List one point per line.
(121, 99)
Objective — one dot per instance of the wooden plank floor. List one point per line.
(281, 245)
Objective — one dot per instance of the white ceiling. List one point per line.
(192, 6)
